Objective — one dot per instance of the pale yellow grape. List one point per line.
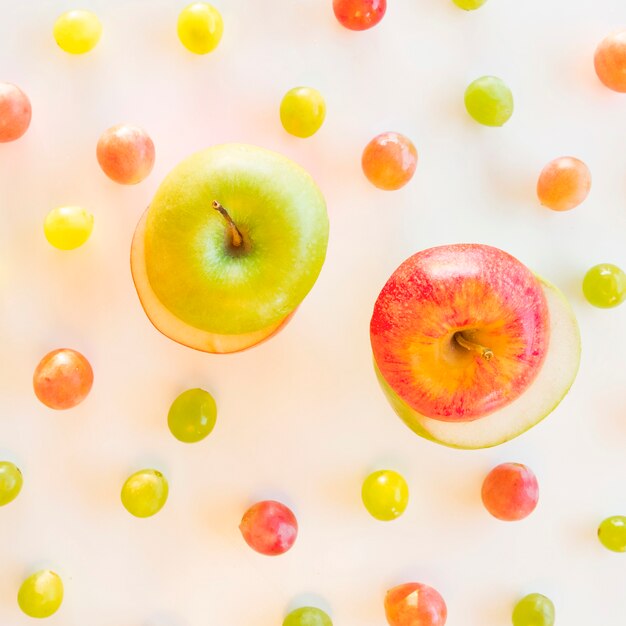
(200, 27)
(68, 227)
(144, 494)
(77, 32)
(41, 594)
(302, 111)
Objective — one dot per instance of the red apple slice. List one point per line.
(173, 327)
(460, 331)
(552, 383)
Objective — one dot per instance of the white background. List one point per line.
(301, 418)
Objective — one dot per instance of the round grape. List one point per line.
(63, 379)
(385, 495)
(10, 482)
(15, 112)
(489, 101)
(604, 286)
(610, 61)
(612, 533)
(125, 154)
(269, 527)
(200, 27)
(41, 594)
(359, 14)
(510, 492)
(389, 161)
(145, 493)
(77, 32)
(415, 604)
(68, 227)
(192, 415)
(307, 616)
(534, 610)
(302, 111)
(469, 5)
(563, 184)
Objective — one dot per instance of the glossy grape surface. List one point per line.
(10, 482)
(68, 227)
(510, 492)
(604, 286)
(489, 101)
(302, 111)
(125, 154)
(612, 533)
(385, 495)
(610, 61)
(534, 610)
(41, 594)
(563, 183)
(307, 616)
(200, 27)
(15, 112)
(77, 32)
(415, 604)
(145, 493)
(192, 415)
(469, 5)
(389, 161)
(269, 527)
(359, 14)
(63, 379)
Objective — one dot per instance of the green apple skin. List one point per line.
(192, 265)
(543, 396)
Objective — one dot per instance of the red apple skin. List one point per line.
(15, 112)
(415, 604)
(478, 290)
(510, 492)
(125, 154)
(269, 527)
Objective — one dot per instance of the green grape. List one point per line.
(192, 415)
(385, 495)
(302, 111)
(469, 5)
(144, 494)
(612, 533)
(68, 227)
(41, 594)
(489, 101)
(534, 610)
(307, 616)
(10, 482)
(604, 286)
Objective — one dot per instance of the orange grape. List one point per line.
(563, 183)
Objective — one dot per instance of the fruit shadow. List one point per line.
(307, 598)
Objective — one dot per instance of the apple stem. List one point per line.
(486, 353)
(237, 237)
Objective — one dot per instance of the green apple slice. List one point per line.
(546, 392)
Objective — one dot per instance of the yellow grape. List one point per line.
(68, 227)
(77, 32)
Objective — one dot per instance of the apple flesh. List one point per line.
(460, 331)
(233, 241)
(550, 386)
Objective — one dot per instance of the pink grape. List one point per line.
(510, 492)
(15, 112)
(125, 154)
(269, 527)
